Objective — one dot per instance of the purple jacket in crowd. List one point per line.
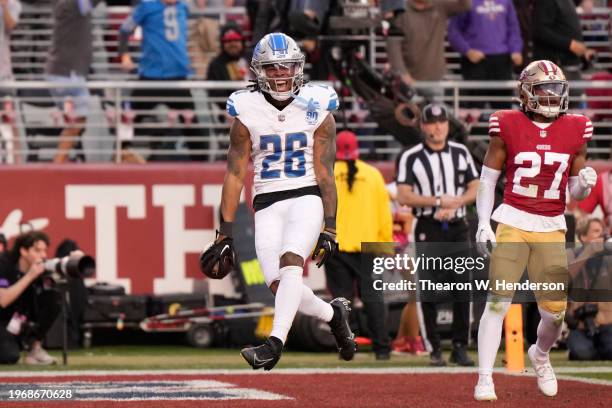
(490, 26)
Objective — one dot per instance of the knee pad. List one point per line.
(498, 306)
(555, 307)
(553, 311)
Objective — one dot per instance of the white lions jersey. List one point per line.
(282, 141)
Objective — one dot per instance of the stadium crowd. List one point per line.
(494, 38)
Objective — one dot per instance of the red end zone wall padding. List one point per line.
(144, 224)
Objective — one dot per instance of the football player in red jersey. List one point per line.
(544, 151)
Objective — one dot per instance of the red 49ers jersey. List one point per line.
(539, 160)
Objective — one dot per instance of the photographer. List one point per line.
(590, 269)
(27, 311)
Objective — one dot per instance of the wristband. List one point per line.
(330, 223)
(226, 228)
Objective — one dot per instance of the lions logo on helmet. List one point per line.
(278, 65)
(543, 89)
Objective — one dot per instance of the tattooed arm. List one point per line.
(324, 158)
(237, 164)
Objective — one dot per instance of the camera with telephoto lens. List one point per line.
(76, 265)
(586, 313)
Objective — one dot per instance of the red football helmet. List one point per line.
(543, 89)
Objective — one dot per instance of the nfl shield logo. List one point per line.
(543, 133)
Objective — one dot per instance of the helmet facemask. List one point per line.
(280, 87)
(543, 89)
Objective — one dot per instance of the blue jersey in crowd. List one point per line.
(164, 38)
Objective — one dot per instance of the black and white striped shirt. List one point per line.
(436, 173)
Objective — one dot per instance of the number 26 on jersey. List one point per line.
(293, 159)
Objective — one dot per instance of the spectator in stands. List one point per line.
(27, 309)
(524, 15)
(600, 196)
(230, 64)
(164, 58)
(203, 42)
(557, 36)
(361, 190)
(489, 40)
(408, 339)
(438, 178)
(419, 54)
(69, 61)
(590, 323)
(9, 17)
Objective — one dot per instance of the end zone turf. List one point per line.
(392, 387)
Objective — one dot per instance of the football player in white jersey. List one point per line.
(288, 129)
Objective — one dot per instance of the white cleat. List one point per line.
(547, 382)
(485, 390)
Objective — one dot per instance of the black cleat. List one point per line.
(265, 356)
(436, 359)
(339, 324)
(460, 357)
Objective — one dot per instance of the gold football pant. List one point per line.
(543, 253)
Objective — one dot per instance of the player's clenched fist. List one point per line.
(326, 247)
(587, 177)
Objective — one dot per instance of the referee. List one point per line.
(437, 178)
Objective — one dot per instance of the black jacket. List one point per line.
(555, 24)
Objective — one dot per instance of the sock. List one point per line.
(489, 336)
(311, 305)
(549, 331)
(287, 301)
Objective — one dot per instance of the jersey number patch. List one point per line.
(171, 26)
(536, 165)
(292, 157)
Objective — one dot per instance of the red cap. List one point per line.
(347, 147)
(231, 35)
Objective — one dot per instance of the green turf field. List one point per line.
(184, 357)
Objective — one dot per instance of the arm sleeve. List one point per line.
(515, 41)
(457, 40)
(544, 25)
(485, 198)
(129, 25)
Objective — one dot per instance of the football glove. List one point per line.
(587, 178)
(326, 247)
(485, 234)
(219, 259)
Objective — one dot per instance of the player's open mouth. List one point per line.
(282, 84)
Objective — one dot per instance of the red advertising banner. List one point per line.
(145, 225)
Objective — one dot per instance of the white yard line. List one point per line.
(288, 371)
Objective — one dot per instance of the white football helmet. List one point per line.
(278, 51)
(543, 89)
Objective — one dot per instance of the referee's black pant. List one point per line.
(345, 269)
(429, 234)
